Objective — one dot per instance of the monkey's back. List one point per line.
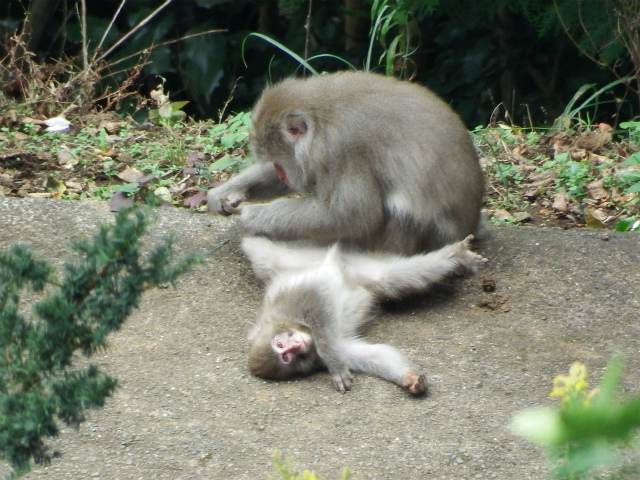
(416, 146)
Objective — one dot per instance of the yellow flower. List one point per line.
(574, 384)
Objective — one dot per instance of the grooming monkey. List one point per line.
(381, 165)
(317, 300)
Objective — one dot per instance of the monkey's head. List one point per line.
(283, 134)
(282, 350)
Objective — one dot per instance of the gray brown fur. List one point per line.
(331, 295)
(381, 164)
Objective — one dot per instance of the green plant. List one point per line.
(633, 130)
(98, 291)
(628, 225)
(572, 175)
(479, 135)
(583, 433)
(166, 113)
(232, 135)
(572, 111)
(632, 176)
(287, 472)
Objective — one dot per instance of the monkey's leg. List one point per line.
(260, 181)
(394, 277)
(385, 362)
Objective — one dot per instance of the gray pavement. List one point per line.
(188, 407)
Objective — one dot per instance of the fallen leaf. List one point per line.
(130, 175)
(596, 190)
(531, 195)
(66, 158)
(74, 187)
(542, 179)
(595, 218)
(561, 203)
(194, 157)
(110, 127)
(522, 217)
(163, 193)
(194, 200)
(502, 214)
(55, 186)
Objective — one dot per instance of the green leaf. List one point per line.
(624, 225)
(225, 162)
(633, 159)
(127, 188)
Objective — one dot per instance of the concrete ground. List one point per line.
(187, 406)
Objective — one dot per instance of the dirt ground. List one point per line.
(187, 406)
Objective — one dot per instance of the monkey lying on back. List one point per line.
(382, 165)
(317, 300)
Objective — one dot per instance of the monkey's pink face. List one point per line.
(291, 344)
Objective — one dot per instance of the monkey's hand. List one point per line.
(342, 379)
(414, 383)
(225, 199)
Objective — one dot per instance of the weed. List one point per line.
(287, 471)
(633, 130)
(584, 432)
(572, 175)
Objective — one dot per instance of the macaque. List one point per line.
(379, 164)
(318, 299)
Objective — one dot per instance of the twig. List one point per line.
(168, 42)
(133, 30)
(83, 29)
(107, 30)
(229, 98)
(307, 27)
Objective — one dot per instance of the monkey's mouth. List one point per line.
(282, 175)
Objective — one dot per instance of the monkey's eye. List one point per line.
(285, 358)
(279, 344)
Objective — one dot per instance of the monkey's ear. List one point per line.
(295, 125)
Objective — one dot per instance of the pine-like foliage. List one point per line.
(98, 290)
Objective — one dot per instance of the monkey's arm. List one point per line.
(385, 362)
(333, 353)
(389, 277)
(351, 210)
(259, 181)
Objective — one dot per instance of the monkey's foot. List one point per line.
(414, 383)
(468, 259)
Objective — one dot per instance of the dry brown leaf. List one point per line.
(502, 214)
(561, 203)
(130, 175)
(542, 179)
(593, 140)
(110, 127)
(66, 158)
(596, 190)
(73, 187)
